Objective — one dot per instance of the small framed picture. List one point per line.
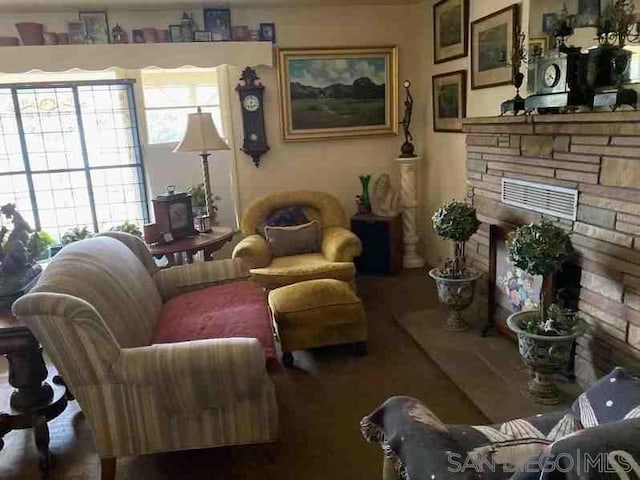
(167, 237)
(549, 22)
(240, 33)
(96, 26)
(218, 22)
(137, 36)
(201, 36)
(77, 33)
(538, 46)
(449, 101)
(175, 34)
(268, 32)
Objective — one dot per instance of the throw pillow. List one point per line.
(294, 240)
(614, 397)
(284, 217)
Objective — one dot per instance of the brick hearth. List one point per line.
(598, 154)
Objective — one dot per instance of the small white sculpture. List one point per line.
(385, 200)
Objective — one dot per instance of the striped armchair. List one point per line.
(94, 310)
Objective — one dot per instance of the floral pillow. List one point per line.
(612, 398)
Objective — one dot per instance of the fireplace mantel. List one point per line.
(597, 154)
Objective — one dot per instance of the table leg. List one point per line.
(27, 373)
(207, 254)
(41, 435)
(189, 257)
(4, 427)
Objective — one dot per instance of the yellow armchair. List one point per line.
(339, 244)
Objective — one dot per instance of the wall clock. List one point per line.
(251, 102)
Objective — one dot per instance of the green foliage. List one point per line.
(557, 322)
(539, 249)
(128, 227)
(197, 195)
(75, 234)
(38, 245)
(455, 221)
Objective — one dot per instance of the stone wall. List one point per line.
(599, 154)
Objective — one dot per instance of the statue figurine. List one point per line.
(385, 200)
(14, 250)
(407, 148)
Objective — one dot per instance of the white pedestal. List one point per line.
(409, 201)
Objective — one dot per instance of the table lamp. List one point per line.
(202, 136)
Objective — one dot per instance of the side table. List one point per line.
(35, 401)
(382, 246)
(208, 243)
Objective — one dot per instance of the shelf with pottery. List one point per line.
(60, 58)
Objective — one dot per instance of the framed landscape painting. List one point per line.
(338, 92)
(491, 46)
(450, 30)
(449, 101)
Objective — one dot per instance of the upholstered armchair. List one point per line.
(339, 244)
(96, 310)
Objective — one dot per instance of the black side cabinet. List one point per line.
(382, 246)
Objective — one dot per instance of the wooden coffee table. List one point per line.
(208, 243)
(38, 396)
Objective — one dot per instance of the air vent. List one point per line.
(539, 197)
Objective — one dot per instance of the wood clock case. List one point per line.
(251, 103)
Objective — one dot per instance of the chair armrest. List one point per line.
(199, 374)
(254, 251)
(185, 278)
(340, 244)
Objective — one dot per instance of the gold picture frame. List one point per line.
(492, 40)
(537, 46)
(332, 93)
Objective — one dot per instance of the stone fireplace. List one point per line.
(597, 154)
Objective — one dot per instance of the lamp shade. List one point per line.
(201, 135)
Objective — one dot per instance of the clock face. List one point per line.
(551, 75)
(251, 103)
(178, 216)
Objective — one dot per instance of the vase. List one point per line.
(544, 355)
(31, 33)
(365, 200)
(456, 294)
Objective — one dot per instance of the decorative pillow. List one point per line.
(614, 397)
(284, 217)
(294, 240)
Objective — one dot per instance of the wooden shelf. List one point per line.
(61, 58)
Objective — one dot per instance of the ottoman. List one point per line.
(317, 313)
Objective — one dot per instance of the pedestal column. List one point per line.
(409, 201)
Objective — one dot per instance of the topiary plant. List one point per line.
(541, 249)
(455, 221)
(128, 227)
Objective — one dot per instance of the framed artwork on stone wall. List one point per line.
(450, 30)
(449, 101)
(491, 46)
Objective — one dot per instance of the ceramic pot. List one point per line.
(544, 355)
(163, 36)
(9, 41)
(50, 38)
(30, 33)
(150, 35)
(456, 294)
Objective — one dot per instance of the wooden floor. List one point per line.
(321, 403)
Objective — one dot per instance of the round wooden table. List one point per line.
(208, 243)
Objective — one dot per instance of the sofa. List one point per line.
(159, 360)
(338, 248)
(602, 425)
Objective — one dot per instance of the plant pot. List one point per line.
(30, 33)
(456, 294)
(545, 355)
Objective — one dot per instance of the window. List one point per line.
(169, 96)
(70, 155)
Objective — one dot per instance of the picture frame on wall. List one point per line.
(175, 33)
(268, 32)
(338, 92)
(449, 101)
(77, 33)
(218, 22)
(492, 40)
(96, 26)
(450, 30)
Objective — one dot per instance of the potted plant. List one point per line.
(199, 203)
(128, 227)
(545, 335)
(455, 221)
(75, 234)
